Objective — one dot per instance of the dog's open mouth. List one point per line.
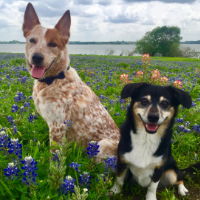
(38, 71)
(151, 128)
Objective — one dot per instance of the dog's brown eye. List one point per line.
(144, 102)
(164, 104)
(51, 44)
(32, 40)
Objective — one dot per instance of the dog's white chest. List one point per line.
(141, 160)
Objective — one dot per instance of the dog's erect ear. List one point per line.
(132, 89)
(63, 26)
(30, 19)
(182, 97)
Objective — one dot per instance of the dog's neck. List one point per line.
(49, 80)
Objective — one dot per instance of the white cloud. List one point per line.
(105, 20)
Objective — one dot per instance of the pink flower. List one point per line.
(124, 78)
(155, 74)
(139, 73)
(146, 57)
(164, 79)
(178, 84)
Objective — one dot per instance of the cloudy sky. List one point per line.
(105, 20)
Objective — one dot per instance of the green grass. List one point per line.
(34, 136)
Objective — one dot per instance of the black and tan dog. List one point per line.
(145, 144)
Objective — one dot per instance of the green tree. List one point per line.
(164, 40)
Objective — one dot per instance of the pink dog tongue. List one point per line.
(151, 127)
(37, 71)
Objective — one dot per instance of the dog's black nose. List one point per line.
(153, 117)
(37, 58)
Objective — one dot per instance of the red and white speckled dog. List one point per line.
(59, 93)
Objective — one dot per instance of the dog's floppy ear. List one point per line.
(182, 97)
(132, 89)
(63, 26)
(30, 19)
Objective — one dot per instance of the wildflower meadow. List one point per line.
(29, 171)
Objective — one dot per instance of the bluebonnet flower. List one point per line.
(122, 101)
(32, 117)
(4, 139)
(196, 128)
(9, 118)
(68, 122)
(106, 108)
(84, 179)
(17, 98)
(187, 123)
(110, 163)
(93, 149)
(182, 128)
(67, 186)
(75, 166)
(111, 102)
(21, 96)
(22, 109)
(193, 104)
(117, 114)
(187, 130)
(30, 166)
(180, 120)
(31, 98)
(14, 108)
(55, 156)
(8, 76)
(11, 171)
(16, 147)
(24, 79)
(27, 104)
(14, 128)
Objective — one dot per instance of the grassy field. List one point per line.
(20, 120)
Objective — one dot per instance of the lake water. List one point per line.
(87, 49)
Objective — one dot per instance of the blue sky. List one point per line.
(105, 20)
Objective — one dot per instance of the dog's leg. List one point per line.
(56, 134)
(119, 182)
(107, 148)
(174, 177)
(151, 191)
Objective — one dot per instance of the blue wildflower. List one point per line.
(110, 163)
(30, 166)
(68, 122)
(84, 179)
(75, 166)
(180, 120)
(27, 104)
(92, 150)
(16, 147)
(14, 108)
(67, 186)
(11, 171)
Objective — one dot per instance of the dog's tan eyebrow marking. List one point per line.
(148, 97)
(162, 99)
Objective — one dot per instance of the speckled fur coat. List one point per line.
(69, 98)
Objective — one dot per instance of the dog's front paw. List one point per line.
(114, 190)
(151, 196)
(182, 190)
